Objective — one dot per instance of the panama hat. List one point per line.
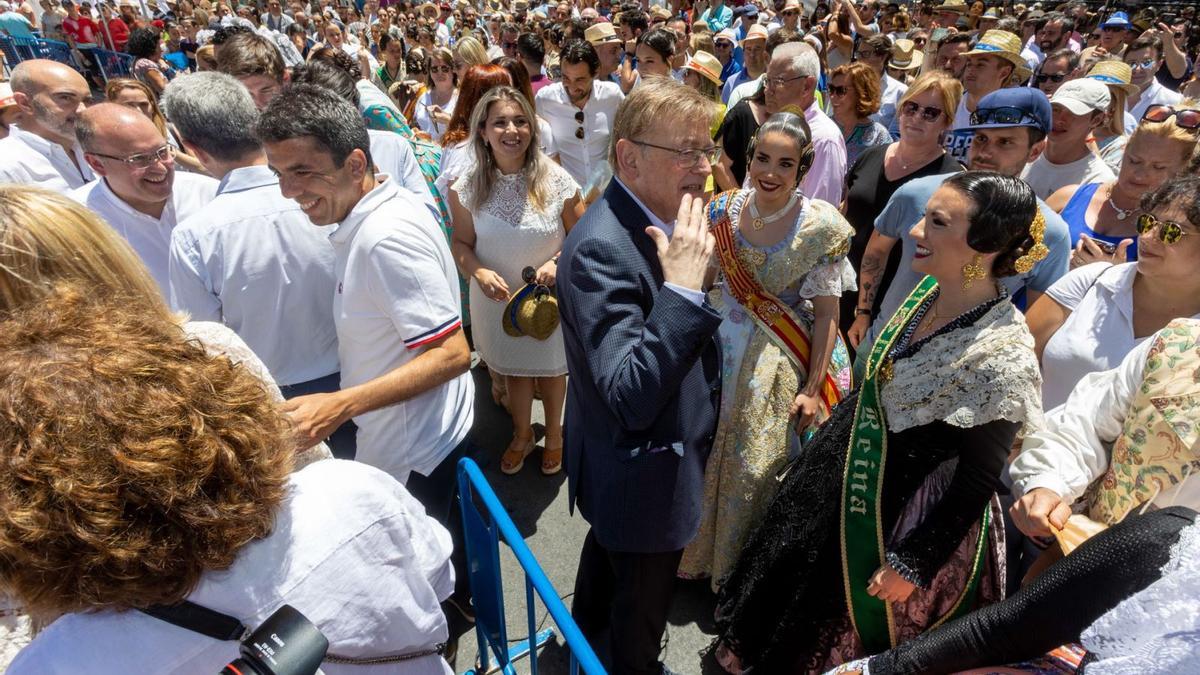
(905, 55)
(429, 10)
(1005, 45)
(531, 311)
(600, 33)
(756, 32)
(1114, 74)
(705, 65)
(951, 6)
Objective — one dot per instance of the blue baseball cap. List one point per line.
(1117, 20)
(1012, 107)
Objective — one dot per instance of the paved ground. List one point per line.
(538, 506)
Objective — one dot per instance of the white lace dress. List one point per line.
(511, 235)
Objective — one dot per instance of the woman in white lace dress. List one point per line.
(512, 211)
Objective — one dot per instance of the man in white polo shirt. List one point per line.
(40, 149)
(138, 191)
(404, 355)
(252, 260)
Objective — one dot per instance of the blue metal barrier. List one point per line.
(9, 48)
(113, 64)
(40, 48)
(482, 532)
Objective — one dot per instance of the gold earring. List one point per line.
(973, 271)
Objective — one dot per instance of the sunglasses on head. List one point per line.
(1168, 232)
(1003, 116)
(928, 112)
(1041, 78)
(1185, 118)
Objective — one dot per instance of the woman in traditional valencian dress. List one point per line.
(885, 524)
(784, 255)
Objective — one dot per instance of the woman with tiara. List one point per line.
(783, 267)
(887, 522)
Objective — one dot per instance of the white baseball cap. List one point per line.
(1083, 96)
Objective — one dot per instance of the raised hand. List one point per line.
(685, 256)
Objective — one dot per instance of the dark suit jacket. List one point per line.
(644, 383)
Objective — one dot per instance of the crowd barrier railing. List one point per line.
(109, 63)
(482, 530)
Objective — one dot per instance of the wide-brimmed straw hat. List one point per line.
(1115, 74)
(1005, 45)
(705, 65)
(905, 55)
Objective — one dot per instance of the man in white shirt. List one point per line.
(581, 110)
(403, 354)
(138, 191)
(41, 149)
(1145, 58)
(1078, 107)
(252, 260)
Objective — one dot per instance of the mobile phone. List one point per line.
(1105, 246)
(938, 35)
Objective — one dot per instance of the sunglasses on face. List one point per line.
(1184, 119)
(440, 69)
(1143, 65)
(928, 113)
(1007, 116)
(838, 90)
(918, 42)
(1168, 232)
(1042, 78)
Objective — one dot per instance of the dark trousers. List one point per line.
(341, 442)
(438, 493)
(629, 594)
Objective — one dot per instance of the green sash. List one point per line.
(862, 486)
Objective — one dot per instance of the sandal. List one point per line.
(513, 459)
(552, 457)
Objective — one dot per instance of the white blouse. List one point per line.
(425, 120)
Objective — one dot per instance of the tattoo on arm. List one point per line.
(869, 271)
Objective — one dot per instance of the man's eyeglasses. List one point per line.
(1143, 65)
(508, 45)
(791, 12)
(1041, 78)
(1185, 118)
(144, 160)
(579, 120)
(928, 112)
(918, 42)
(1168, 232)
(688, 158)
(872, 53)
(781, 81)
(1003, 116)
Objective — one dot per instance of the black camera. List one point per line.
(285, 644)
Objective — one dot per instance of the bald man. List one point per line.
(138, 191)
(41, 149)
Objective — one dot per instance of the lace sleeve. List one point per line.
(218, 340)
(831, 279)
(462, 187)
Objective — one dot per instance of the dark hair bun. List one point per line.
(1004, 208)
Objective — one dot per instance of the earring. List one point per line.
(973, 271)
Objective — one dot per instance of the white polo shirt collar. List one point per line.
(383, 191)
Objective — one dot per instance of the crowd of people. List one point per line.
(880, 321)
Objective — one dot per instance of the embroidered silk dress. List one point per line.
(952, 404)
(754, 431)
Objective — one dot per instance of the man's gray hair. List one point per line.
(213, 112)
(802, 57)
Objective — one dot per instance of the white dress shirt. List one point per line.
(1155, 93)
(1075, 447)
(398, 291)
(150, 237)
(585, 159)
(253, 261)
(393, 155)
(29, 159)
(351, 550)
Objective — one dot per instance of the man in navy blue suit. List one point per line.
(645, 368)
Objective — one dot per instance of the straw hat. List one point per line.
(531, 311)
(600, 33)
(1005, 45)
(7, 100)
(429, 10)
(905, 55)
(1114, 74)
(705, 65)
(951, 6)
(663, 13)
(756, 32)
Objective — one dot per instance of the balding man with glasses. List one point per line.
(137, 190)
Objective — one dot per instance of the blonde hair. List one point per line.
(1115, 124)
(47, 239)
(1171, 131)
(483, 175)
(471, 51)
(949, 90)
(702, 42)
(656, 103)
